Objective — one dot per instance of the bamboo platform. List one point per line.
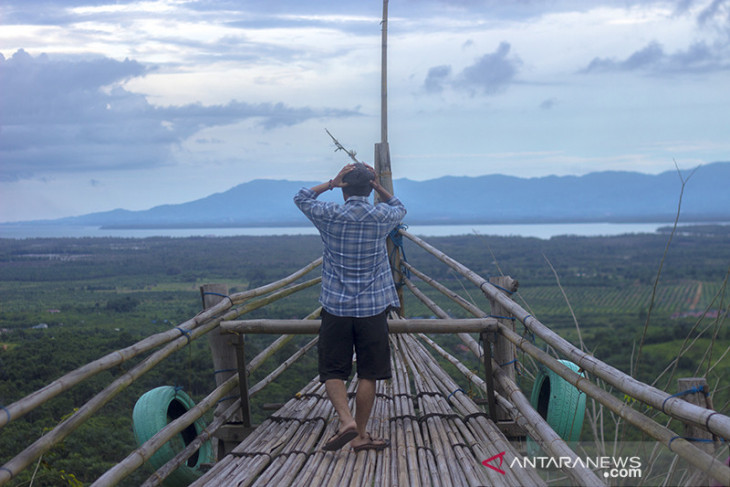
(439, 437)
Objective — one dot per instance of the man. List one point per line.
(357, 292)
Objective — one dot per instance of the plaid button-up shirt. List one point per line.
(356, 276)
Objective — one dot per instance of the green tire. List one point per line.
(560, 403)
(155, 410)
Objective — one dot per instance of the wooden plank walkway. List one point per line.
(439, 437)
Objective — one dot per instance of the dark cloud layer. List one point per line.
(699, 57)
(653, 59)
(490, 74)
(74, 115)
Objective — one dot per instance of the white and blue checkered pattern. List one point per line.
(356, 276)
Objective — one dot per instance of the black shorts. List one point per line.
(338, 336)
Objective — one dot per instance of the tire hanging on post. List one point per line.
(156, 409)
(560, 403)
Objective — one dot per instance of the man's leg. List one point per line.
(373, 363)
(364, 400)
(335, 363)
(337, 393)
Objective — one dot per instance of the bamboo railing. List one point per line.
(175, 339)
(436, 433)
(717, 424)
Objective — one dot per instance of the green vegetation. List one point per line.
(92, 296)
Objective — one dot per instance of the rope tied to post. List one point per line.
(696, 440)
(455, 391)
(211, 293)
(481, 287)
(397, 240)
(7, 411)
(221, 371)
(692, 390)
(185, 333)
(498, 317)
(516, 363)
(227, 398)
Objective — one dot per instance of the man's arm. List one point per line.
(336, 182)
(383, 193)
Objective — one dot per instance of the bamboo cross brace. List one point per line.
(311, 327)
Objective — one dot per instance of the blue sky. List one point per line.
(132, 104)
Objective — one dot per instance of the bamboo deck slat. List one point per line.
(439, 437)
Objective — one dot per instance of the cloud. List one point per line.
(548, 104)
(75, 114)
(716, 10)
(488, 75)
(652, 59)
(436, 78)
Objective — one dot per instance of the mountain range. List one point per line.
(610, 196)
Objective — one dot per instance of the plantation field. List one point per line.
(66, 302)
(676, 298)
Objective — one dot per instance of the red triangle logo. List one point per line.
(487, 463)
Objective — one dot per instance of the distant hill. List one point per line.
(596, 197)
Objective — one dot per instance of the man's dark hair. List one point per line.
(358, 181)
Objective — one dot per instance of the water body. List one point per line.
(543, 231)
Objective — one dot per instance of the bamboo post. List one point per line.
(243, 382)
(505, 352)
(221, 344)
(222, 348)
(488, 377)
(384, 76)
(382, 153)
(705, 440)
